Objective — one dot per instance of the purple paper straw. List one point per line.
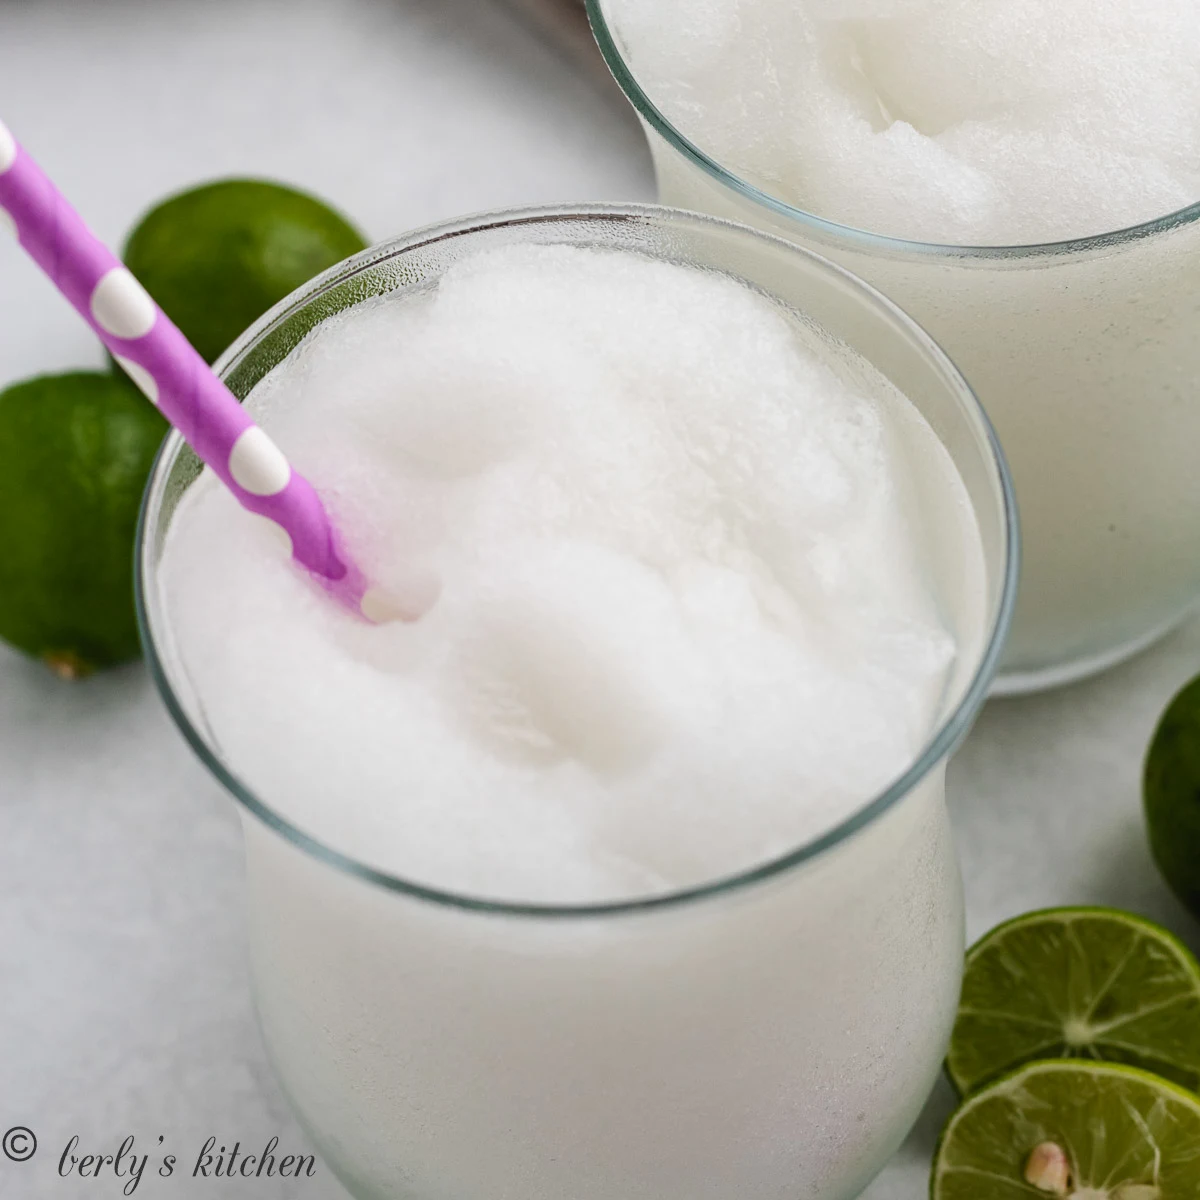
(161, 361)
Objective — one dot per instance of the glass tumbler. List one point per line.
(760, 1037)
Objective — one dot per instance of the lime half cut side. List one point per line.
(1078, 1130)
(1088, 983)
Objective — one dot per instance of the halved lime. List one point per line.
(1087, 1131)
(1090, 983)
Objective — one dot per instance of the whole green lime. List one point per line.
(75, 452)
(1171, 790)
(217, 257)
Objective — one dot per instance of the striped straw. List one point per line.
(161, 361)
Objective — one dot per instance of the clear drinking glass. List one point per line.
(1086, 357)
(765, 1036)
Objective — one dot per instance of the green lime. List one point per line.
(1171, 787)
(217, 257)
(1091, 983)
(1088, 1131)
(75, 451)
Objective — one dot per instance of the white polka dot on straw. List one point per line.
(8, 148)
(121, 306)
(7, 224)
(140, 376)
(258, 465)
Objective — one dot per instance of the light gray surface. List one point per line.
(124, 1007)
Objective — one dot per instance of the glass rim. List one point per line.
(940, 744)
(623, 73)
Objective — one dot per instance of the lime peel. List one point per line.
(1171, 795)
(75, 451)
(216, 257)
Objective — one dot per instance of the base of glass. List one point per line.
(1023, 683)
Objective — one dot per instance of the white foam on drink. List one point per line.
(985, 122)
(685, 618)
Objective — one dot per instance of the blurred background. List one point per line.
(124, 1002)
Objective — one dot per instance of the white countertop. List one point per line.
(124, 1003)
